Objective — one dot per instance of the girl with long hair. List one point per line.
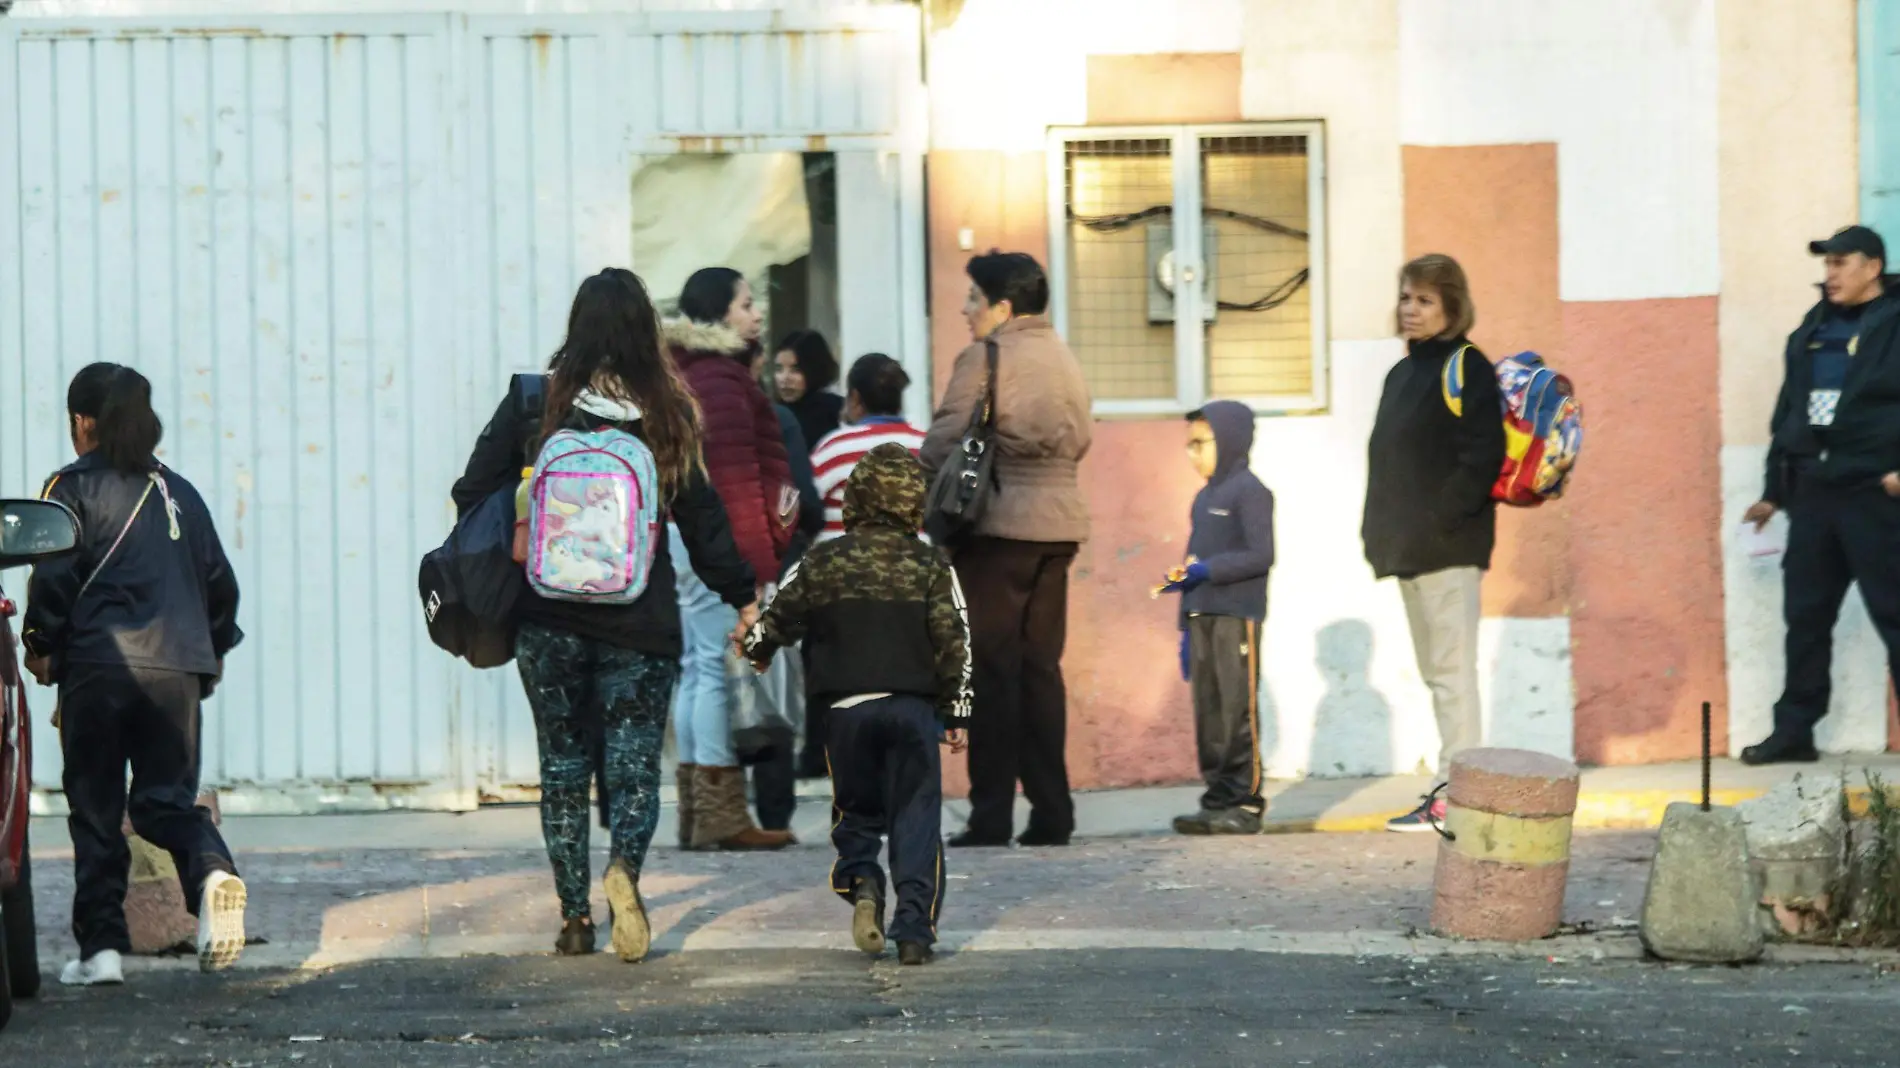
(599, 677)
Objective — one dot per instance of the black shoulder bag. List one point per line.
(961, 492)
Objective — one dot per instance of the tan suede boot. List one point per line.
(721, 818)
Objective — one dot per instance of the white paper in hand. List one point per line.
(1767, 544)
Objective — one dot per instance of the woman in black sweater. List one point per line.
(1437, 448)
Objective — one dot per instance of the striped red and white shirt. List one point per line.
(838, 454)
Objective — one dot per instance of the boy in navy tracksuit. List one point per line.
(1223, 587)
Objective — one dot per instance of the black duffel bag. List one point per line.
(471, 586)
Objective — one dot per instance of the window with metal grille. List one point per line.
(1125, 275)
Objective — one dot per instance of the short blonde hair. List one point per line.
(1442, 273)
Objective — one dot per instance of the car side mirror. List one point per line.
(35, 530)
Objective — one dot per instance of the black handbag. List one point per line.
(961, 492)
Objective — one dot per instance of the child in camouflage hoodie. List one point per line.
(884, 622)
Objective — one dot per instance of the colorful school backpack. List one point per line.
(1543, 426)
(594, 519)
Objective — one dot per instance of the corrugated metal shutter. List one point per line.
(250, 219)
(328, 240)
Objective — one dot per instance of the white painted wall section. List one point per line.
(1007, 70)
(1627, 89)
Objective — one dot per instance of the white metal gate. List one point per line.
(328, 240)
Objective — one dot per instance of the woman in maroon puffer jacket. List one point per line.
(712, 344)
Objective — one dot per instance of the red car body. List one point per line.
(29, 531)
(16, 751)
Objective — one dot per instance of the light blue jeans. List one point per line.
(702, 731)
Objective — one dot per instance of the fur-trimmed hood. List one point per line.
(742, 443)
(688, 338)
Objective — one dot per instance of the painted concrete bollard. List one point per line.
(1506, 854)
(155, 915)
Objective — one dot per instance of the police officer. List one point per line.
(1834, 465)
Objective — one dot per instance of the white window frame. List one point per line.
(1190, 341)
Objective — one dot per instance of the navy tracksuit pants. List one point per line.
(887, 780)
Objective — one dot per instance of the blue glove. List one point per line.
(1186, 676)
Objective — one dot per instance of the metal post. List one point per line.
(1705, 755)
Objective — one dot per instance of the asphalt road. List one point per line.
(1110, 1007)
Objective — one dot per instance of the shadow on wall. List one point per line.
(1267, 720)
(1352, 709)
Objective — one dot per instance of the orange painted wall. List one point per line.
(1164, 87)
(1130, 718)
(1000, 197)
(1893, 719)
(1647, 622)
(1493, 208)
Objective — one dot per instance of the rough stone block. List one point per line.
(1797, 820)
(1514, 782)
(1796, 835)
(155, 915)
(1703, 894)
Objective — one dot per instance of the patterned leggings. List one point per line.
(587, 695)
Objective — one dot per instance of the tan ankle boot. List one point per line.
(720, 817)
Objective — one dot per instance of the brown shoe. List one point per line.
(758, 839)
(721, 817)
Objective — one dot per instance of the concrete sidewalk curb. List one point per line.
(1575, 949)
(1607, 810)
(1611, 799)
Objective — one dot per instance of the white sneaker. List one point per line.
(103, 968)
(220, 921)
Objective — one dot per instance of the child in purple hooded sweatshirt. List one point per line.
(1223, 587)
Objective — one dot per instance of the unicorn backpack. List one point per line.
(594, 517)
